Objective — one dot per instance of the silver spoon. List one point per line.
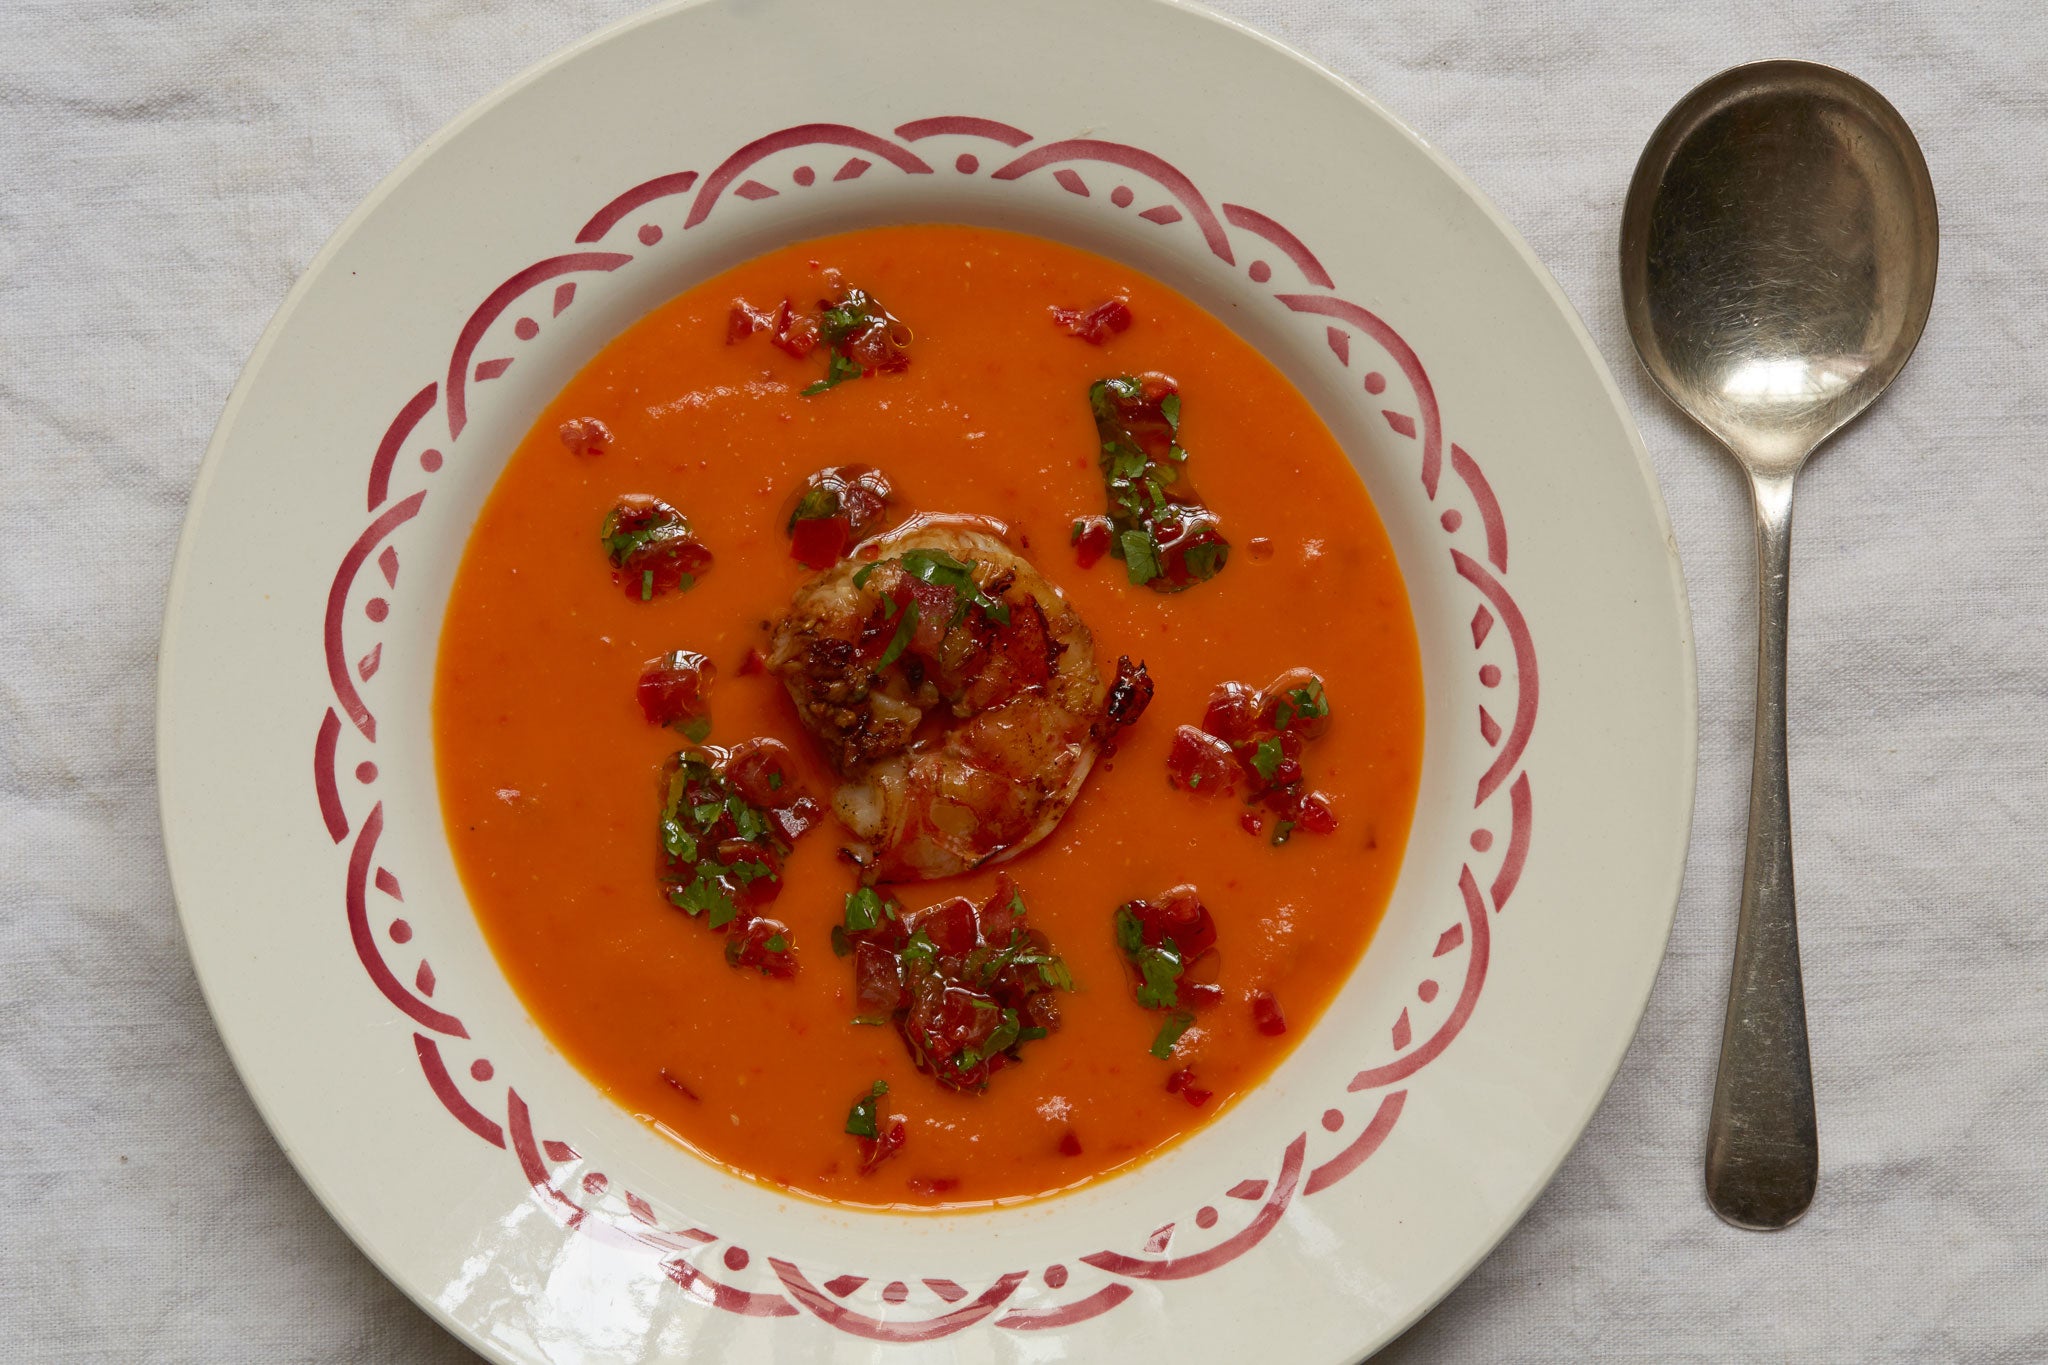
(1777, 262)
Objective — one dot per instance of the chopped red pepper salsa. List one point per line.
(586, 436)
(728, 821)
(1160, 940)
(1095, 325)
(1090, 540)
(1259, 735)
(838, 507)
(1159, 527)
(1182, 1083)
(674, 691)
(966, 989)
(859, 335)
(651, 548)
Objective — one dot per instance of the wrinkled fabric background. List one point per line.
(166, 170)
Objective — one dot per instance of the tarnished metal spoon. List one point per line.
(1777, 262)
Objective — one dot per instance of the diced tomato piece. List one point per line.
(882, 348)
(796, 333)
(758, 888)
(673, 688)
(878, 981)
(1096, 325)
(763, 771)
(1179, 539)
(651, 547)
(1251, 822)
(935, 606)
(1182, 1083)
(949, 925)
(998, 915)
(1283, 698)
(951, 1017)
(1070, 1145)
(1201, 994)
(931, 1184)
(1180, 916)
(1090, 540)
(744, 321)
(762, 943)
(864, 495)
(753, 663)
(1233, 713)
(1200, 763)
(1266, 1014)
(586, 436)
(875, 1151)
(1316, 815)
(820, 541)
(1140, 416)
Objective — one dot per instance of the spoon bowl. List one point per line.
(1778, 253)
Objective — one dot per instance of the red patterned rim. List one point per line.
(703, 1264)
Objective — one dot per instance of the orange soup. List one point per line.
(1183, 922)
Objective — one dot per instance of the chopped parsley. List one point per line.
(1168, 539)
(940, 570)
(900, 641)
(1305, 703)
(838, 370)
(1177, 1023)
(1140, 556)
(863, 910)
(651, 548)
(1159, 967)
(919, 951)
(1267, 758)
(965, 988)
(861, 1120)
(720, 854)
(820, 500)
(861, 337)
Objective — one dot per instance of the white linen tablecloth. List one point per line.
(166, 170)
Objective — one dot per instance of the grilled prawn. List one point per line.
(956, 694)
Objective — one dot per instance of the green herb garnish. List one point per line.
(1159, 526)
(863, 910)
(1267, 758)
(918, 953)
(1140, 556)
(1303, 703)
(1177, 1023)
(860, 1120)
(838, 370)
(899, 642)
(1159, 968)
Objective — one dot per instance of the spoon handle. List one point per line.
(1763, 1155)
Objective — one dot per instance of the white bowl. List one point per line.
(1464, 1056)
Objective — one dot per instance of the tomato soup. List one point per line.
(984, 401)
